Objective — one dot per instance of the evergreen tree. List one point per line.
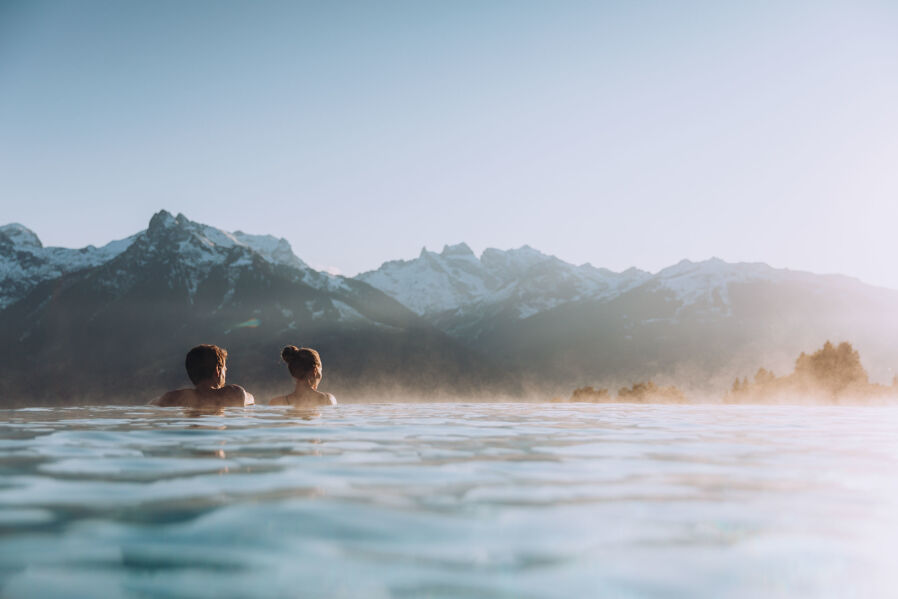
(764, 376)
(832, 368)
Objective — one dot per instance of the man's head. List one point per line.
(206, 363)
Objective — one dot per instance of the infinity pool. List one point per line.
(450, 500)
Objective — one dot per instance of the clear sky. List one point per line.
(630, 133)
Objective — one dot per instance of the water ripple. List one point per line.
(449, 500)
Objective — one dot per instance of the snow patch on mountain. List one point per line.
(325, 281)
(455, 287)
(273, 249)
(708, 282)
(346, 312)
(21, 236)
(315, 309)
(515, 262)
(203, 245)
(524, 278)
(25, 262)
(434, 282)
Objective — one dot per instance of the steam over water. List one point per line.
(450, 500)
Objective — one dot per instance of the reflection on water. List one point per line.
(200, 412)
(450, 500)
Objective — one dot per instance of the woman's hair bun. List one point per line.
(300, 360)
(289, 352)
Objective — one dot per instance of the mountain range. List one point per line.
(112, 324)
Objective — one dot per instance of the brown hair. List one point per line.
(205, 362)
(300, 361)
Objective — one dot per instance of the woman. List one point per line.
(305, 366)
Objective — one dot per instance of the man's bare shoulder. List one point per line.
(229, 396)
(176, 398)
(237, 396)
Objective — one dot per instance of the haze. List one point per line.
(621, 134)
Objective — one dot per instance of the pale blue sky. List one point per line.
(621, 134)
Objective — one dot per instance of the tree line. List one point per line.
(831, 375)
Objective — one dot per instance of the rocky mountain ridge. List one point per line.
(506, 321)
(457, 280)
(118, 330)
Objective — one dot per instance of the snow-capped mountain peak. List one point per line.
(20, 235)
(524, 280)
(686, 276)
(207, 244)
(274, 249)
(25, 262)
(459, 249)
(707, 283)
(433, 282)
(162, 220)
(515, 262)
(194, 244)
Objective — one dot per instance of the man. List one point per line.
(206, 367)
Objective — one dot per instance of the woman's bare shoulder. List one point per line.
(280, 400)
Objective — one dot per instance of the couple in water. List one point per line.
(207, 367)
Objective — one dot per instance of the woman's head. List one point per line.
(304, 363)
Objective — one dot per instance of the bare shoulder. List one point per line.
(326, 399)
(239, 397)
(172, 399)
(280, 400)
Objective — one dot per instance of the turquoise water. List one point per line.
(450, 500)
